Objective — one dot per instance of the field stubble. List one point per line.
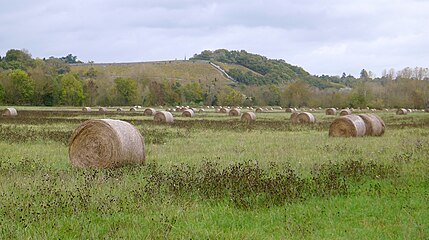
(214, 177)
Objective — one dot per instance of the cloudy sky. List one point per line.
(322, 36)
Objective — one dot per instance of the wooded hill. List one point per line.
(254, 69)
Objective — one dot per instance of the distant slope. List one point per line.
(183, 71)
(253, 69)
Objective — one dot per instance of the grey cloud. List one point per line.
(329, 36)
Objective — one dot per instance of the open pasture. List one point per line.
(214, 176)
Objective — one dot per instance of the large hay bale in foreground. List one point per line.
(149, 112)
(402, 111)
(374, 125)
(102, 109)
(106, 143)
(86, 109)
(9, 112)
(345, 112)
(331, 111)
(163, 116)
(306, 117)
(248, 117)
(234, 112)
(188, 113)
(294, 117)
(347, 126)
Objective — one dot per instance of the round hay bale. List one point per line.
(402, 111)
(235, 112)
(248, 117)
(374, 124)
(188, 113)
(294, 117)
(133, 109)
(201, 110)
(224, 110)
(106, 143)
(331, 111)
(345, 112)
(86, 109)
(427, 110)
(306, 117)
(290, 110)
(163, 116)
(119, 109)
(9, 112)
(259, 110)
(149, 112)
(409, 110)
(102, 109)
(347, 126)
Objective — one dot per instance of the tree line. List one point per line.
(50, 82)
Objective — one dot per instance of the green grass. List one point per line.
(214, 177)
(182, 71)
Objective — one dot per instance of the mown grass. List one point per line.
(215, 177)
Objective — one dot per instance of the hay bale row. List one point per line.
(149, 112)
(224, 110)
(9, 112)
(188, 113)
(357, 126)
(106, 143)
(234, 112)
(163, 117)
(294, 117)
(331, 111)
(248, 117)
(102, 109)
(345, 112)
(304, 117)
(402, 111)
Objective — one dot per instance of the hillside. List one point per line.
(253, 69)
(182, 71)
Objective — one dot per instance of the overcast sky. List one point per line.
(322, 36)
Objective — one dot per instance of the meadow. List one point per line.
(215, 177)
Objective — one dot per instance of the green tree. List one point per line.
(296, 94)
(192, 93)
(230, 97)
(70, 59)
(71, 90)
(22, 87)
(17, 59)
(2, 93)
(360, 96)
(126, 89)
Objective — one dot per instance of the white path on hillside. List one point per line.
(222, 71)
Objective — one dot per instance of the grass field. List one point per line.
(182, 71)
(214, 177)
